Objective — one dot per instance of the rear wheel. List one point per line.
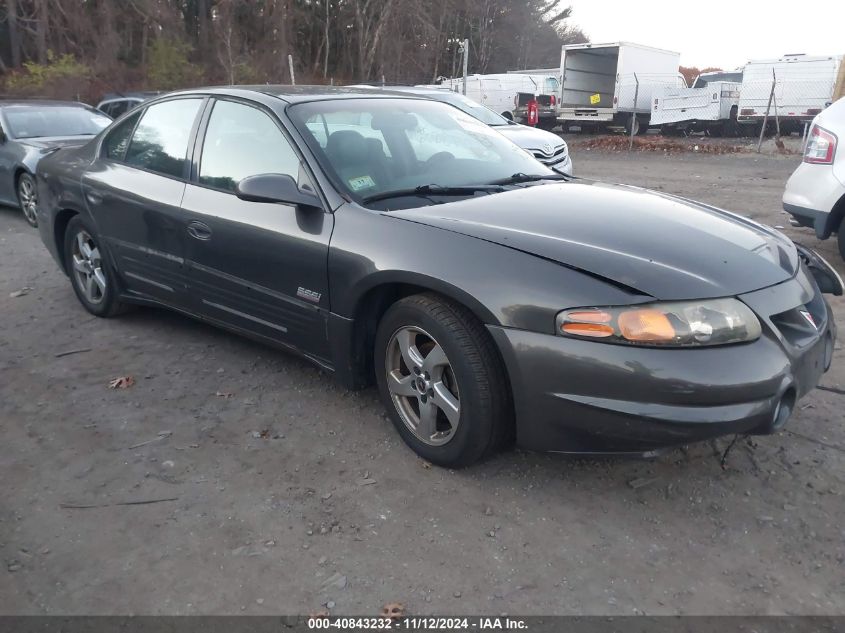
(442, 381)
(28, 198)
(632, 126)
(90, 270)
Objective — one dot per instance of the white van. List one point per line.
(499, 91)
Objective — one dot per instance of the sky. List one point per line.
(722, 33)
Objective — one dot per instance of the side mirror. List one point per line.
(275, 188)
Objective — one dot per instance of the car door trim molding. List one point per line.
(263, 289)
(147, 250)
(145, 280)
(244, 315)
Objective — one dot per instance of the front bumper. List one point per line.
(588, 397)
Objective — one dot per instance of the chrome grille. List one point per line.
(551, 159)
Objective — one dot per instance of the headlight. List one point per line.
(670, 324)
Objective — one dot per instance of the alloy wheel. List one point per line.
(422, 385)
(28, 198)
(88, 268)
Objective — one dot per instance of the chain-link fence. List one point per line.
(786, 99)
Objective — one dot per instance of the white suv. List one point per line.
(815, 193)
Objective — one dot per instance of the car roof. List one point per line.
(116, 96)
(296, 94)
(41, 103)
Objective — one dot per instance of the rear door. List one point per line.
(259, 267)
(134, 193)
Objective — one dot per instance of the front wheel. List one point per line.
(441, 380)
(90, 270)
(28, 198)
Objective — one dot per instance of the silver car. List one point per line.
(30, 130)
(546, 147)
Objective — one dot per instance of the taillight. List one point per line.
(821, 147)
(554, 101)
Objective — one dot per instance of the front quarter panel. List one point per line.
(501, 285)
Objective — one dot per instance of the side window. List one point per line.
(243, 141)
(160, 142)
(116, 142)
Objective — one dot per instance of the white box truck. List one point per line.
(804, 86)
(709, 106)
(604, 84)
(499, 91)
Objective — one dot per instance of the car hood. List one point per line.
(52, 142)
(530, 138)
(652, 243)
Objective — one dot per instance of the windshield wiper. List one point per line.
(521, 177)
(440, 190)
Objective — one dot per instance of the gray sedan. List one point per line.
(28, 131)
(397, 240)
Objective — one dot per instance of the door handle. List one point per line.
(94, 198)
(199, 230)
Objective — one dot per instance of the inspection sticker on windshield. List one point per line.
(594, 99)
(362, 182)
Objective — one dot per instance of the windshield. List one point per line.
(34, 121)
(373, 146)
(473, 108)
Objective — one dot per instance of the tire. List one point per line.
(90, 270)
(469, 371)
(28, 197)
(635, 123)
(840, 238)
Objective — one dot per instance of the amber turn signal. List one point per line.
(647, 326)
(595, 330)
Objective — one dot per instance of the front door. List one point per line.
(134, 192)
(259, 267)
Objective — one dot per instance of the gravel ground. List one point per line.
(285, 492)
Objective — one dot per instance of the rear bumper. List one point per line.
(810, 194)
(589, 397)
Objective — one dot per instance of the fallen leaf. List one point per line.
(425, 464)
(322, 613)
(122, 382)
(393, 610)
(264, 434)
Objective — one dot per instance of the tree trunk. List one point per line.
(326, 59)
(14, 36)
(41, 26)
